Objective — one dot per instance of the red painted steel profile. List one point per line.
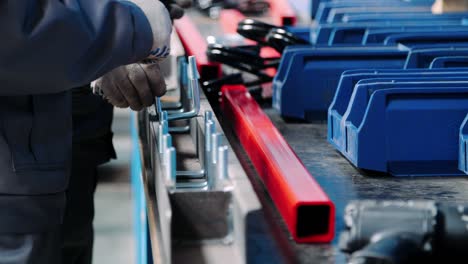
(287, 180)
(195, 44)
(229, 19)
(282, 12)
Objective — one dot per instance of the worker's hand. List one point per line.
(135, 85)
(161, 25)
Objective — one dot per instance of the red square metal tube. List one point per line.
(282, 12)
(308, 212)
(195, 44)
(229, 19)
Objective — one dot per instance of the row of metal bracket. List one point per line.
(212, 154)
(183, 194)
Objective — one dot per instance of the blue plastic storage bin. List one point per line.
(324, 8)
(380, 34)
(302, 32)
(348, 80)
(422, 57)
(354, 32)
(336, 14)
(406, 130)
(314, 4)
(426, 17)
(449, 62)
(307, 78)
(418, 39)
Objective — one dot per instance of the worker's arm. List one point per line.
(49, 46)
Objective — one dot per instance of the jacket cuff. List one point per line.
(160, 24)
(142, 34)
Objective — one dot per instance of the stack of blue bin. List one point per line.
(391, 79)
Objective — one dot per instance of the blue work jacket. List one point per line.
(47, 48)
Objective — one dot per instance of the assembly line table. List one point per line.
(339, 179)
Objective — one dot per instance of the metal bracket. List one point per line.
(211, 153)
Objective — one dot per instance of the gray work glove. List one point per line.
(134, 85)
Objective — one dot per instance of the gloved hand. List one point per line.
(135, 85)
(161, 25)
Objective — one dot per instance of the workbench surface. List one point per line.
(340, 180)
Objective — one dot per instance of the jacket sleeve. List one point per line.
(48, 46)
